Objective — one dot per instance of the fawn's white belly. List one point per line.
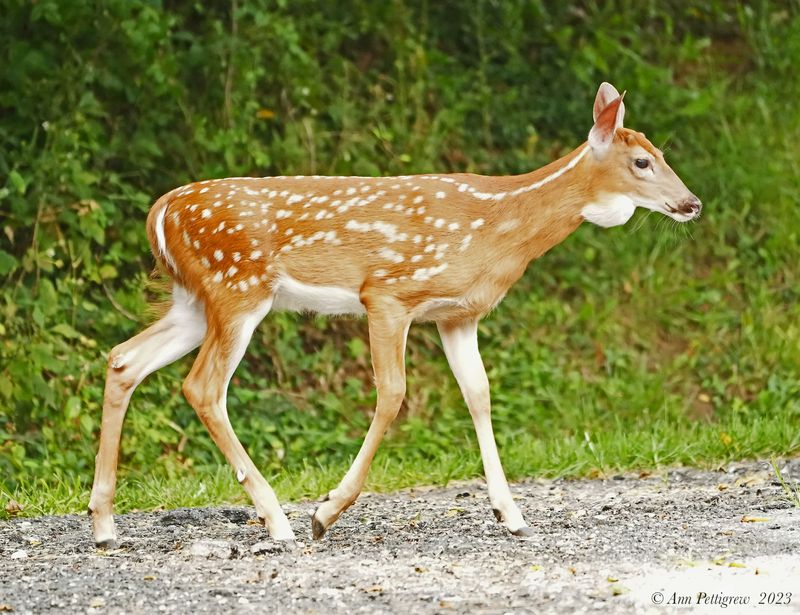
(294, 296)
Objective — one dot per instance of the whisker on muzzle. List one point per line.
(640, 222)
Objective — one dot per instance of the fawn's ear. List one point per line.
(602, 133)
(606, 93)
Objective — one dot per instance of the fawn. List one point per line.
(441, 248)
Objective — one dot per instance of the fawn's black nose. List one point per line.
(690, 206)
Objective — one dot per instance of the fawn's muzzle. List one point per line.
(690, 206)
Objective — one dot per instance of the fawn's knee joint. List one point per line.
(477, 396)
(192, 393)
(393, 393)
(480, 408)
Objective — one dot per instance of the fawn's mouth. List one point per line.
(683, 212)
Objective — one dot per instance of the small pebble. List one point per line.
(212, 549)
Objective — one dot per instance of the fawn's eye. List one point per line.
(642, 163)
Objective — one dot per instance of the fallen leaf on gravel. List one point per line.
(722, 486)
(6, 608)
(749, 519)
(374, 589)
(149, 577)
(612, 579)
(420, 569)
(736, 565)
(107, 552)
(13, 508)
(536, 568)
(453, 512)
(756, 478)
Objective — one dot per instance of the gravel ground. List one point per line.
(621, 545)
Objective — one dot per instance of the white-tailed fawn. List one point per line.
(441, 248)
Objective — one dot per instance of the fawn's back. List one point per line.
(323, 244)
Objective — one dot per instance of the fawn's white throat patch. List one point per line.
(609, 210)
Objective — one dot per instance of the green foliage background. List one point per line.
(631, 347)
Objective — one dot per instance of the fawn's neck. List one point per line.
(543, 207)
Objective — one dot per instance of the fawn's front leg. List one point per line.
(388, 329)
(460, 343)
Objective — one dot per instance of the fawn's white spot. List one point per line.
(507, 225)
(426, 273)
(391, 255)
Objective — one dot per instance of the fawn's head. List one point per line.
(629, 171)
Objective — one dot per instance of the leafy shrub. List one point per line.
(104, 106)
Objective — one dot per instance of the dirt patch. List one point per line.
(600, 545)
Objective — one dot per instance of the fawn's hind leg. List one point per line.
(179, 332)
(206, 389)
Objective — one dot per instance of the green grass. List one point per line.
(791, 491)
(658, 445)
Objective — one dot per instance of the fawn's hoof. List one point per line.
(109, 544)
(523, 531)
(317, 529)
